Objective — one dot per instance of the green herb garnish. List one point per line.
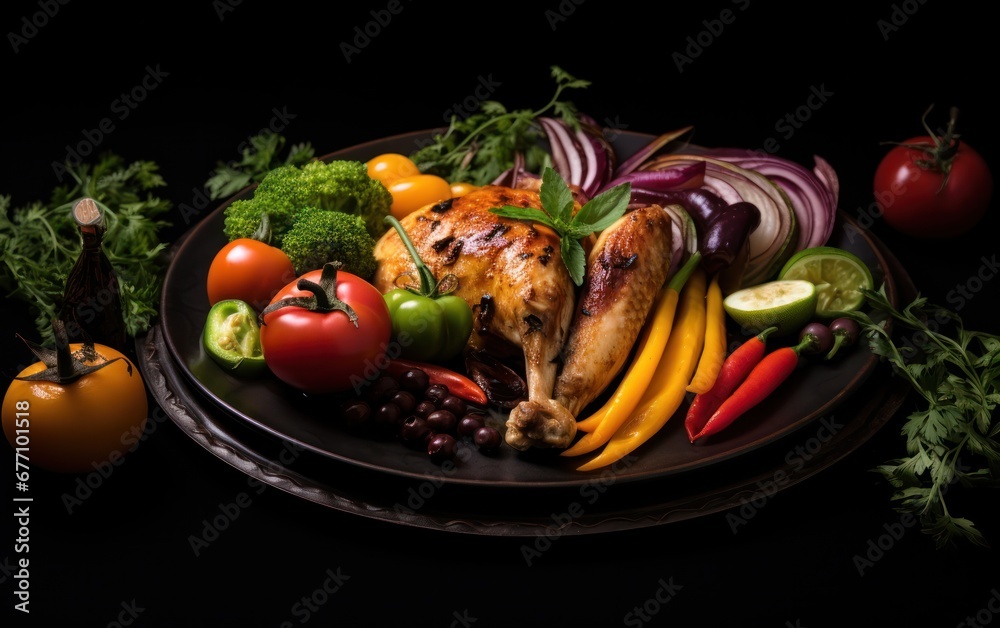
(260, 157)
(556, 212)
(957, 376)
(479, 148)
(40, 242)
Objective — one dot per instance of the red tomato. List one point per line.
(921, 200)
(320, 351)
(248, 270)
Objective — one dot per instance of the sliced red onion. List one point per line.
(565, 153)
(814, 195)
(604, 152)
(589, 159)
(774, 239)
(647, 151)
(609, 161)
(516, 175)
(557, 149)
(517, 171)
(828, 176)
(804, 200)
(684, 239)
(505, 178)
(676, 177)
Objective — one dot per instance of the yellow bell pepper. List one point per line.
(666, 391)
(714, 353)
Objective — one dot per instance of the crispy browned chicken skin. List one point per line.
(515, 263)
(574, 342)
(627, 267)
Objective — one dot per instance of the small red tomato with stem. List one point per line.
(933, 186)
(324, 331)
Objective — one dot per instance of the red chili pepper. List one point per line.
(458, 384)
(734, 370)
(769, 373)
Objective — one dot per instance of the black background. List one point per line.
(227, 69)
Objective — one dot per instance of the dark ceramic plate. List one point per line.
(600, 506)
(277, 411)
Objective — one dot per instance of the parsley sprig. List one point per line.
(956, 373)
(556, 212)
(479, 148)
(256, 160)
(40, 242)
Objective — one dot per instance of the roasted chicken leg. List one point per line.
(626, 268)
(511, 272)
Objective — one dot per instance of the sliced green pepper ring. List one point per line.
(232, 338)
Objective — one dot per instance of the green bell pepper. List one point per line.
(232, 338)
(429, 322)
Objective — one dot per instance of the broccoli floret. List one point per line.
(339, 185)
(277, 197)
(320, 236)
(345, 186)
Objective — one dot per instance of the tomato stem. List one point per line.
(945, 146)
(62, 365)
(64, 358)
(323, 298)
(939, 155)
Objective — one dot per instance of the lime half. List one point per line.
(785, 304)
(839, 277)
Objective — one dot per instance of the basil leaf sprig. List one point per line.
(952, 437)
(556, 212)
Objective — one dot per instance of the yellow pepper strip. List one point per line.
(714, 353)
(638, 378)
(666, 390)
(590, 423)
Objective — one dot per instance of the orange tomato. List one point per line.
(412, 193)
(76, 427)
(389, 167)
(461, 188)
